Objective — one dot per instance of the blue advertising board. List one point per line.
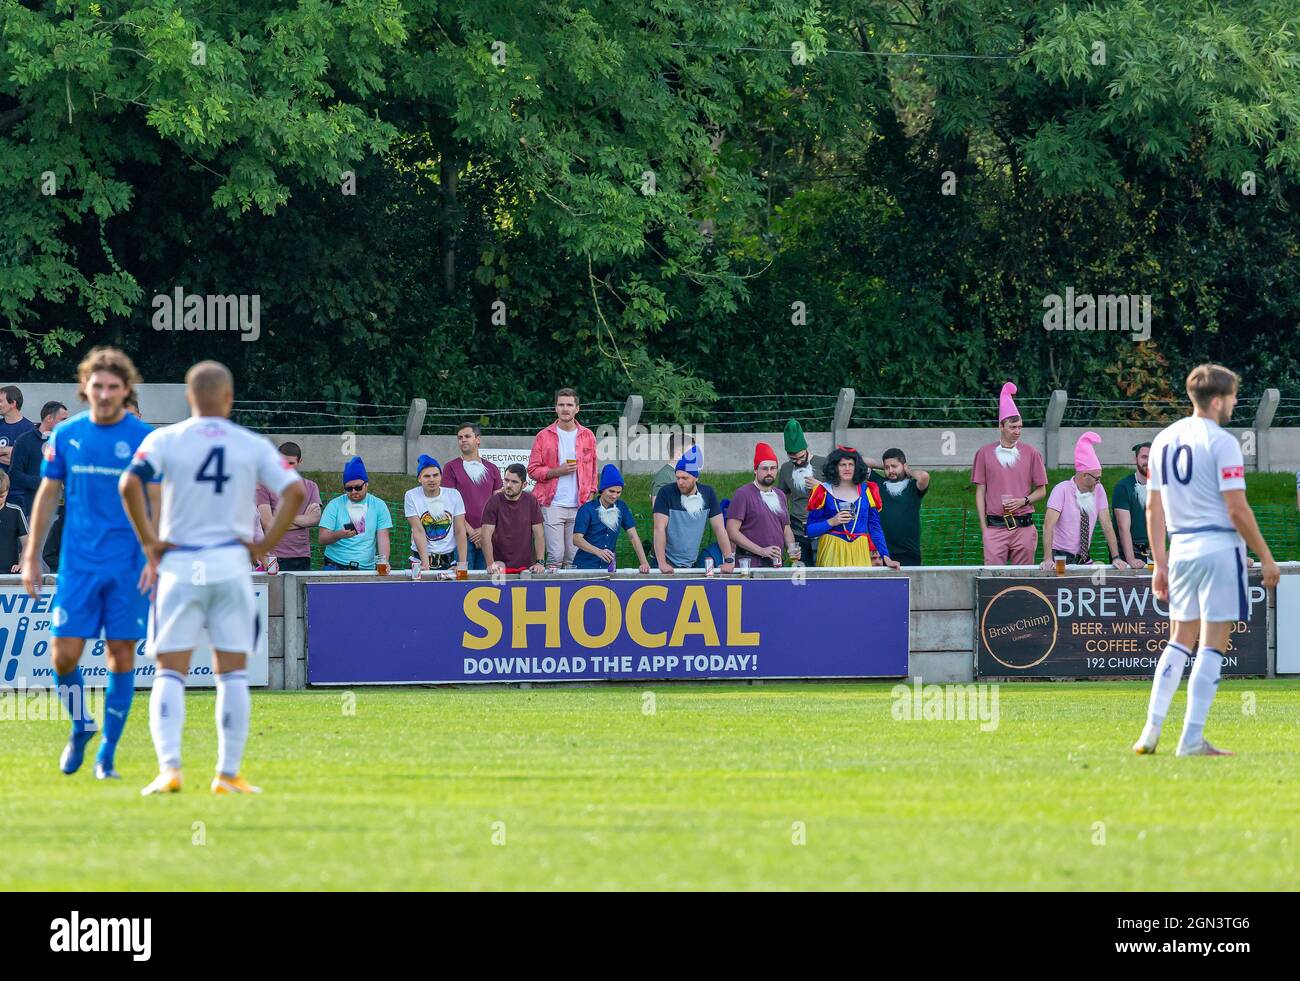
(624, 629)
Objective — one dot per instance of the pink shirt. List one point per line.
(545, 455)
(1065, 499)
(1015, 481)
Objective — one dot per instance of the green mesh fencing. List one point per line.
(951, 536)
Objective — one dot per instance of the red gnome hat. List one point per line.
(762, 453)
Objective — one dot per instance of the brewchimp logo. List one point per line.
(1019, 627)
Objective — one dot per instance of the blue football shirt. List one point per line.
(89, 459)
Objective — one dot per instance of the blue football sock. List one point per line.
(72, 690)
(117, 705)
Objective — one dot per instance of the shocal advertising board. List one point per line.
(649, 627)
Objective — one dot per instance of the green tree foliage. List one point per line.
(636, 196)
(97, 98)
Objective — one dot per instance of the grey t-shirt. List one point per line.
(797, 497)
(664, 476)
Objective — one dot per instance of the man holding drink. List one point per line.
(1009, 476)
(1074, 509)
(599, 522)
(757, 523)
(844, 515)
(562, 464)
(796, 480)
(355, 528)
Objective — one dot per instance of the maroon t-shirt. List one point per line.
(758, 522)
(475, 495)
(512, 532)
(296, 543)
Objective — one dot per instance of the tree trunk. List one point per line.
(451, 220)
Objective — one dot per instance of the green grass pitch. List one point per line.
(583, 788)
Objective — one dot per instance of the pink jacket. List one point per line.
(545, 454)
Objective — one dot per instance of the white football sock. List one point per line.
(1202, 683)
(167, 717)
(233, 709)
(1169, 672)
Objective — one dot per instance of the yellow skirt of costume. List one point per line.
(835, 551)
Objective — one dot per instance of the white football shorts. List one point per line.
(182, 610)
(1209, 587)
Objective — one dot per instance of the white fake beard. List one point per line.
(771, 500)
(608, 516)
(1140, 491)
(896, 487)
(475, 470)
(1008, 456)
(693, 503)
(1087, 502)
(798, 475)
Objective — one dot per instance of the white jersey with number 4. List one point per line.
(1192, 463)
(210, 469)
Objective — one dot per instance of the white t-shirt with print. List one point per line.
(437, 517)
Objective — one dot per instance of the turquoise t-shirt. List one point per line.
(360, 548)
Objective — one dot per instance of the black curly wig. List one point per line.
(831, 472)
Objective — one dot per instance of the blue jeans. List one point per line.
(476, 560)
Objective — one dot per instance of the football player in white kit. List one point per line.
(210, 469)
(1197, 493)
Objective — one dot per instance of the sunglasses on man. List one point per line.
(353, 488)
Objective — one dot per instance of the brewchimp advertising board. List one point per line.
(1075, 627)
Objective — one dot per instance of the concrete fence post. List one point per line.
(411, 435)
(629, 420)
(1268, 403)
(1052, 428)
(295, 633)
(843, 416)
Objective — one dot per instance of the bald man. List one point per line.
(203, 555)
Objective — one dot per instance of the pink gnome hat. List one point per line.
(1007, 407)
(1085, 457)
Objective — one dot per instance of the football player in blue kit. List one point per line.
(103, 580)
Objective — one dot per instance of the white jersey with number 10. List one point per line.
(1192, 463)
(210, 469)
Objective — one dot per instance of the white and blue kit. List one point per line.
(210, 469)
(1192, 463)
